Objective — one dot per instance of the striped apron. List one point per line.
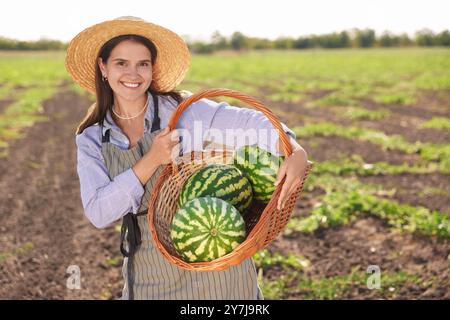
(147, 274)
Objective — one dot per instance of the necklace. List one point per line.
(128, 118)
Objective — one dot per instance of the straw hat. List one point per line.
(172, 61)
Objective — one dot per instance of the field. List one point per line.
(376, 123)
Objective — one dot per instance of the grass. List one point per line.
(328, 288)
(346, 199)
(433, 191)
(403, 98)
(387, 75)
(106, 293)
(32, 69)
(29, 80)
(297, 284)
(428, 151)
(23, 249)
(440, 123)
(24, 112)
(264, 259)
(114, 261)
(360, 113)
(355, 164)
(390, 142)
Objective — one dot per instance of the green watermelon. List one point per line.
(206, 228)
(221, 181)
(261, 169)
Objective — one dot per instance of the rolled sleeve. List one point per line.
(129, 183)
(104, 200)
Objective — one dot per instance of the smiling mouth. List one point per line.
(130, 85)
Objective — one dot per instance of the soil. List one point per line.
(41, 208)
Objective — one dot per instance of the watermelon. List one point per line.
(221, 181)
(206, 228)
(261, 169)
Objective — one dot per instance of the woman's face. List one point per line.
(128, 69)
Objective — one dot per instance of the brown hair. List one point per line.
(104, 94)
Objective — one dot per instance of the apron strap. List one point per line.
(156, 124)
(130, 229)
(105, 137)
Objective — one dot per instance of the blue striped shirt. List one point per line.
(106, 201)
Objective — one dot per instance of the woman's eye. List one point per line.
(144, 64)
(120, 63)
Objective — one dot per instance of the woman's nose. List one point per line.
(132, 71)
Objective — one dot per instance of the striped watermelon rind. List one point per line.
(260, 167)
(221, 181)
(206, 228)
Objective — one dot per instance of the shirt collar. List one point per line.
(109, 122)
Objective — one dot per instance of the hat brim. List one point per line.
(169, 69)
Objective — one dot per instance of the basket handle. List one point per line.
(210, 93)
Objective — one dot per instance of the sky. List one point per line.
(198, 19)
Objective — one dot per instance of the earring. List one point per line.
(104, 78)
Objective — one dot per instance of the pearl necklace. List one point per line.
(128, 118)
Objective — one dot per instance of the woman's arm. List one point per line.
(236, 127)
(104, 200)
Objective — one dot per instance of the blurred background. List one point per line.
(365, 86)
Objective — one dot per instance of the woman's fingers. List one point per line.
(164, 131)
(171, 138)
(293, 187)
(174, 143)
(289, 187)
(281, 173)
(284, 192)
(175, 136)
(176, 151)
(282, 196)
(280, 176)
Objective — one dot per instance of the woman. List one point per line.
(133, 68)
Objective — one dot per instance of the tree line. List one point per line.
(355, 38)
(42, 44)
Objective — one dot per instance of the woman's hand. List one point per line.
(294, 168)
(166, 146)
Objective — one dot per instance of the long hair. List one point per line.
(104, 94)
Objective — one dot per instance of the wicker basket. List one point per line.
(263, 221)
